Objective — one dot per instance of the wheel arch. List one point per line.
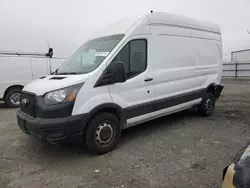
(211, 88)
(11, 88)
(107, 107)
(215, 89)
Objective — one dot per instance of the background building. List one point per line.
(239, 65)
(241, 56)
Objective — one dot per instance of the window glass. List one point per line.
(134, 57)
(90, 55)
(123, 56)
(137, 56)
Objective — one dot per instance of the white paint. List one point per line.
(42, 86)
(21, 70)
(184, 55)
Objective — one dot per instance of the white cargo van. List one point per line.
(19, 69)
(131, 72)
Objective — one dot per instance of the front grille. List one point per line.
(27, 104)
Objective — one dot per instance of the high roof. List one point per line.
(156, 18)
(177, 20)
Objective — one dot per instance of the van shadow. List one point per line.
(3, 105)
(51, 152)
(47, 150)
(158, 125)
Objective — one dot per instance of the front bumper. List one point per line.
(65, 129)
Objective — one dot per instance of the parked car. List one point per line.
(131, 72)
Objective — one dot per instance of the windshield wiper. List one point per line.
(55, 72)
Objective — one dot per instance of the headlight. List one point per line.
(62, 95)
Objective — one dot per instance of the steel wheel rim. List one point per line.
(15, 99)
(104, 134)
(209, 105)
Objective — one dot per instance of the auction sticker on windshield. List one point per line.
(102, 54)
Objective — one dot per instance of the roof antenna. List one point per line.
(151, 11)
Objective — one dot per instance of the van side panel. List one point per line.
(14, 71)
(173, 61)
(209, 57)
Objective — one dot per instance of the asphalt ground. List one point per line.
(181, 150)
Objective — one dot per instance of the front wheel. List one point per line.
(207, 105)
(102, 133)
(13, 98)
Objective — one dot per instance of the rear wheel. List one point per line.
(102, 133)
(12, 98)
(207, 105)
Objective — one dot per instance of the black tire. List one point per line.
(9, 95)
(100, 122)
(207, 105)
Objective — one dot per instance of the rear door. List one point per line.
(134, 95)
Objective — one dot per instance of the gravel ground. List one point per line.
(181, 150)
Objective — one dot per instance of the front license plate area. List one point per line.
(22, 124)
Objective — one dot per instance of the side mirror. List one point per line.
(117, 72)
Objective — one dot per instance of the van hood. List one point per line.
(53, 82)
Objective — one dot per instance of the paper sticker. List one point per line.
(104, 54)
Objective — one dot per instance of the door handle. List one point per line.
(148, 79)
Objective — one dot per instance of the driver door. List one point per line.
(134, 95)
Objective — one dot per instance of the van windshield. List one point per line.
(89, 56)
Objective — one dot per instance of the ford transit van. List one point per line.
(133, 71)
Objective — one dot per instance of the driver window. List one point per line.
(134, 57)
